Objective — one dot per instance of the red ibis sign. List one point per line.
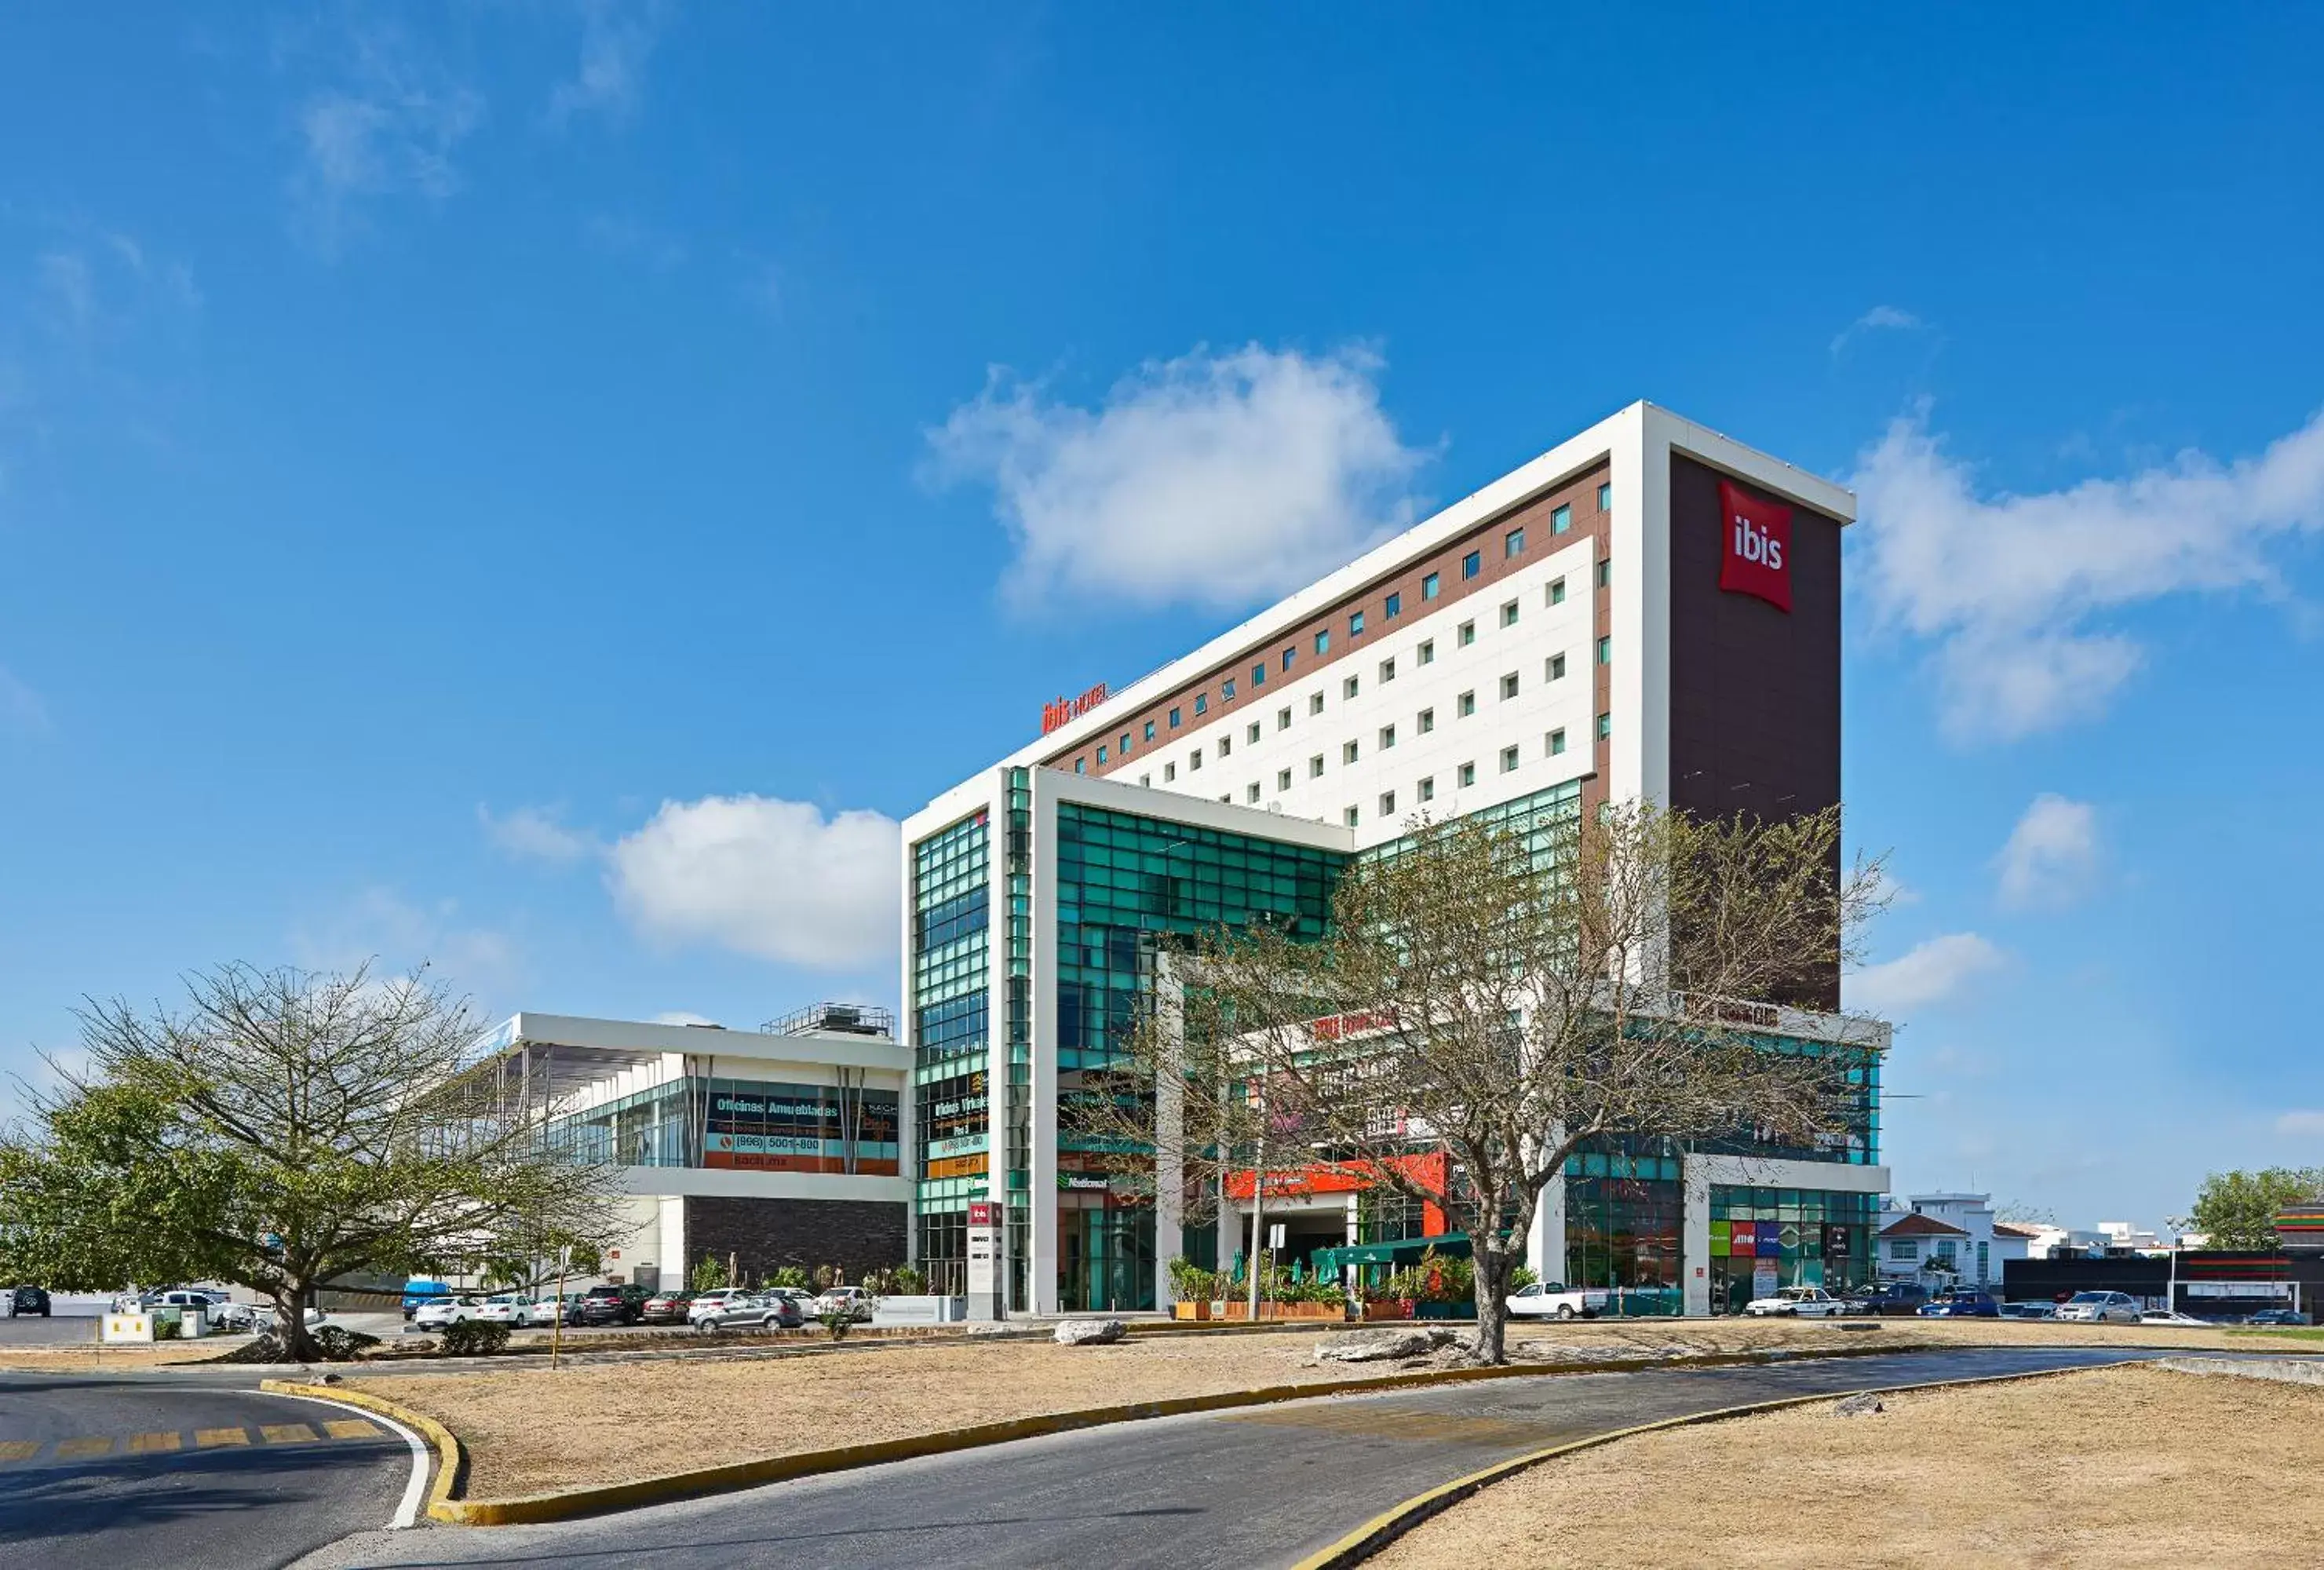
(1065, 710)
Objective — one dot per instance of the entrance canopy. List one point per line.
(1453, 1245)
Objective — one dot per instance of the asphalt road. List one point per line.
(1264, 1486)
(102, 1471)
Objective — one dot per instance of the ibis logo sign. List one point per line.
(1756, 557)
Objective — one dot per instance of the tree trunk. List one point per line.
(1493, 1268)
(290, 1312)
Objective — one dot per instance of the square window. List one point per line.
(1250, 793)
(1557, 591)
(1081, 765)
(1468, 774)
(1251, 733)
(1169, 772)
(1316, 767)
(1393, 609)
(1557, 742)
(1175, 721)
(1100, 757)
(1428, 586)
(1283, 778)
(1605, 724)
(1471, 565)
(1605, 650)
(1194, 759)
(1554, 668)
(1282, 719)
(1323, 641)
(1349, 816)
(1464, 705)
(1426, 654)
(1429, 788)
(1387, 804)
(1355, 624)
(1259, 674)
(1227, 691)
(1605, 497)
(1146, 782)
(1465, 634)
(1513, 543)
(1606, 574)
(1386, 737)
(1125, 743)
(1348, 689)
(1509, 686)
(1509, 614)
(1388, 671)
(1149, 730)
(1508, 759)
(1347, 752)
(1561, 521)
(1315, 703)
(1288, 656)
(1427, 721)
(1226, 746)
(1201, 703)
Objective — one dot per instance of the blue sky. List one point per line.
(542, 487)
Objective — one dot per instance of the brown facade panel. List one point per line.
(1251, 701)
(1754, 691)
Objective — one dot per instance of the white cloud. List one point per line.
(533, 833)
(2051, 856)
(616, 40)
(1215, 479)
(765, 877)
(1879, 318)
(21, 708)
(390, 128)
(1929, 974)
(2302, 1123)
(2008, 588)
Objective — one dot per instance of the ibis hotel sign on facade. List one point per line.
(1065, 710)
(1754, 560)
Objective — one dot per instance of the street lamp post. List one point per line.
(2178, 1225)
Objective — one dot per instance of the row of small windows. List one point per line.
(1553, 745)
(1471, 565)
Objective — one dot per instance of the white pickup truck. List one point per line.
(1801, 1302)
(1554, 1301)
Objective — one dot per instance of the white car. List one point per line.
(1797, 1302)
(1554, 1301)
(2100, 1309)
(509, 1308)
(714, 1306)
(544, 1311)
(2172, 1317)
(446, 1311)
(851, 1301)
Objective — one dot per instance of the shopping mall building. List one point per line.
(1649, 609)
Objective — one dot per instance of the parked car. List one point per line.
(509, 1308)
(1961, 1305)
(2029, 1310)
(1555, 1300)
(443, 1311)
(1797, 1302)
(851, 1301)
(552, 1309)
(2100, 1309)
(665, 1308)
(240, 1318)
(422, 1290)
(608, 1306)
(2277, 1316)
(729, 1308)
(27, 1300)
(1891, 1299)
(2172, 1317)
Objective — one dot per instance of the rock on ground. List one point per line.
(1383, 1345)
(1863, 1406)
(1088, 1332)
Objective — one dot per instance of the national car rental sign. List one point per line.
(1756, 557)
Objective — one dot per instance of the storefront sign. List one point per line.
(1065, 710)
(1766, 1275)
(2238, 1289)
(984, 1256)
(1755, 551)
(1334, 1026)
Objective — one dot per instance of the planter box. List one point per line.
(1398, 1308)
(1444, 1311)
(1190, 1311)
(1238, 1309)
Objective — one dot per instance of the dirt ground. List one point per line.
(528, 1430)
(2120, 1467)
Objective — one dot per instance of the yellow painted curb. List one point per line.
(1393, 1523)
(568, 1503)
(450, 1461)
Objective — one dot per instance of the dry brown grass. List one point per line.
(90, 1357)
(2121, 1467)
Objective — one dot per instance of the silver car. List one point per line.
(730, 1310)
(2100, 1309)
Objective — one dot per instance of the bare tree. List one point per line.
(1488, 1002)
(282, 1130)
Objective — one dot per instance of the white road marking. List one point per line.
(407, 1513)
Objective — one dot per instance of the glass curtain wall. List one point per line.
(1764, 1238)
(952, 907)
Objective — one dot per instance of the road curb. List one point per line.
(451, 1460)
(568, 1504)
(1393, 1523)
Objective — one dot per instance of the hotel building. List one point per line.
(1649, 609)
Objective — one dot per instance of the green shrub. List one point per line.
(791, 1276)
(1524, 1276)
(907, 1282)
(475, 1338)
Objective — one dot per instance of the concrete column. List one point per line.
(1042, 1159)
(1545, 1243)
